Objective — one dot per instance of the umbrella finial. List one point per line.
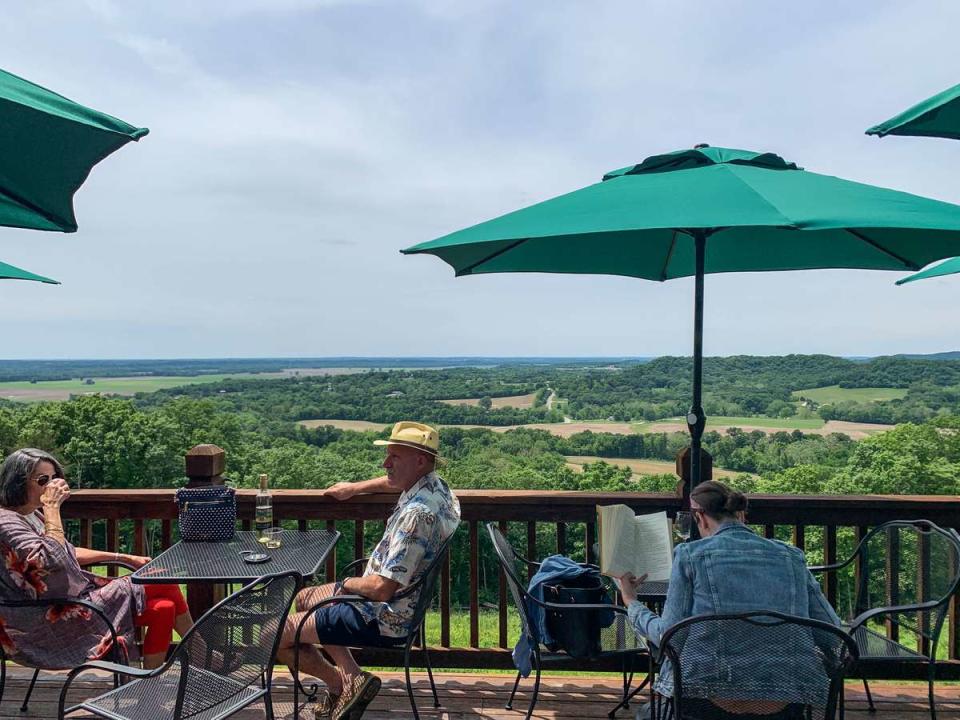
(701, 145)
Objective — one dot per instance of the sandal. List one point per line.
(326, 702)
(361, 691)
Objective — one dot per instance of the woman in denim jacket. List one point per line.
(730, 570)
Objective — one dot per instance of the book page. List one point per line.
(617, 539)
(655, 544)
(635, 544)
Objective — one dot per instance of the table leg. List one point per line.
(203, 596)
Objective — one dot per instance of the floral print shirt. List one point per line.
(425, 516)
(59, 636)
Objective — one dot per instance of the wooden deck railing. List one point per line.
(143, 521)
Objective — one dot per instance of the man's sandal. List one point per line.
(326, 702)
(360, 692)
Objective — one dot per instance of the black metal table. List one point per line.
(221, 562)
(653, 591)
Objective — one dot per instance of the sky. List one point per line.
(296, 146)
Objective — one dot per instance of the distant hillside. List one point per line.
(951, 355)
(38, 370)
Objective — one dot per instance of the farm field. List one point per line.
(814, 426)
(638, 467)
(775, 424)
(63, 389)
(856, 431)
(521, 402)
(356, 425)
(835, 394)
(25, 391)
(558, 429)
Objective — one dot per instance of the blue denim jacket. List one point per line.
(733, 571)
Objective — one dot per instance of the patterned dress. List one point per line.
(426, 515)
(33, 567)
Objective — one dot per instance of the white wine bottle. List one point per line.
(264, 515)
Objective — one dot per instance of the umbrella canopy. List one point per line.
(938, 116)
(48, 146)
(9, 272)
(708, 210)
(949, 267)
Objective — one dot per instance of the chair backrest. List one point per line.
(33, 637)
(426, 586)
(508, 564)
(906, 562)
(758, 663)
(234, 643)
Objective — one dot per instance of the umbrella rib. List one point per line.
(469, 268)
(666, 260)
(860, 236)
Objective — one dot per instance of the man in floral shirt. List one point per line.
(426, 515)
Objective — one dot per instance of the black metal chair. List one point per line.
(617, 640)
(69, 655)
(213, 672)
(751, 665)
(424, 589)
(903, 574)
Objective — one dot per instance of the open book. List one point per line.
(636, 544)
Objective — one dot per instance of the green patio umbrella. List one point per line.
(9, 272)
(48, 145)
(708, 210)
(949, 267)
(938, 116)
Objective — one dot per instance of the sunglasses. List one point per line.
(42, 480)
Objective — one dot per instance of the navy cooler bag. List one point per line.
(207, 513)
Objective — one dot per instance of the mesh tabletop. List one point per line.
(300, 551)
(652, 591)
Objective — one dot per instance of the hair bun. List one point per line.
(736, 502)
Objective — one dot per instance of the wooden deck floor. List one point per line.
(468, 696)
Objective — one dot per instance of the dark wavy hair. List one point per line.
(718, 501)
(17, 469)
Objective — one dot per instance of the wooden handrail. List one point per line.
(798, 518)
(542, 506)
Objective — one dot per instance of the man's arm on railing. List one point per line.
(346, 490)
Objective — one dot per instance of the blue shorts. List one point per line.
(342, 624)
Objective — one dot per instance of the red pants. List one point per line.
(164, 603)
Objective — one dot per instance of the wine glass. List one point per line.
(682, 523)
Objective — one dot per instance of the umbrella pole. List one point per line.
(696, 420)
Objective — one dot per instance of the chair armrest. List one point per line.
(528, 563)
(115, 668)
(537, 563)
(308, 613)
(102, 665)
(620, 609)
(356, 562)
(863, 617)
(109, 563)
(334, 599)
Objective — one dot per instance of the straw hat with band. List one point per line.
(415, 435)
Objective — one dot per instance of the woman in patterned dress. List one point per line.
(37, 562)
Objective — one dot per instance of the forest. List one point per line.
(139, 442)
(739, 386)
